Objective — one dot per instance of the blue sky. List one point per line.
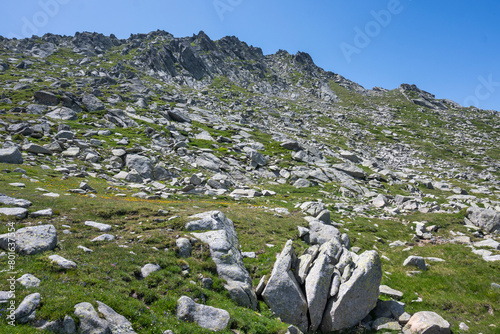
(449, 48)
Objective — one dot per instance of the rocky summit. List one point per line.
(158, 184)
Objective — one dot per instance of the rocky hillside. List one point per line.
(162, 184)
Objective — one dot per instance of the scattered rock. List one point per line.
(357, 296)
(118, 324)
(148, 269)
(224, 249)
(27, 309)
(101, 227)
(427, 323)
(11, 155)
(104, 237)
(28, 281)
(62, 262)
(42, 213)
(20, 213)
(32, 240)
(415, 261)
(283, 293)
(385, 290)
(90, 322)
(184, 246)
(204, 316)
(486, 219)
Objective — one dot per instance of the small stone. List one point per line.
(385, 290)
(415, 261)
(99, 226)
(20, 213)
(62, 262)
(184, 247)
(204, 316)
(27, 309)
(148, 269)
(104, 237)
(28, 281)
(427, 323)
(42, 213)
(85, 249)
(463, 327)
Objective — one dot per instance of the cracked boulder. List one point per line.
(328, 288)
(223, 241)
(283, 293)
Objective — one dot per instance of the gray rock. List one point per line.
(312, 208)
(486, 219)
(28, 281)
(11, 155)
(349, 156)
(351, 169)
(207, 283)
(224, 249)
(65, 326)
(427, 323)
(291, 145)
(32, 240)
(415, 261)
(257, 158)
(302, 183)
(283, 293)
(141, 164)
(6, 200)
(63, 113)
(46, 98)
(490, 243)
(42, 213)
(210, 161)
(20, 213)
(85, 249)
(380, 201)
(293, 330)
(27, 309)
(319, 280)
(386, 324)
(62, 262)
(37, 149)
(71, 152)
(90, 322)
(391, 309)
(357, 296)
(104, 237)
(179, 115)
(324, 217)
(385, 290)
(148, 269)
(320, 233)
(184, 246)
(118, 324)
(204, 316)
(92, 103)
(101, 227)
(65, 134)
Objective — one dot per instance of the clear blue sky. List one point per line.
(449, 48)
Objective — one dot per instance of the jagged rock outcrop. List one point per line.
(224, 248)
(327, 288)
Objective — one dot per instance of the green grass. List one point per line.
(458, 289)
